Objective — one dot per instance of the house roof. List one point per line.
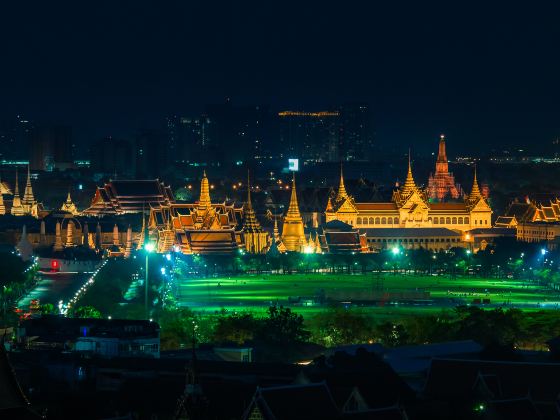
(455, 378)
(294, 402)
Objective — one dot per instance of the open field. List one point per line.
(387, 295)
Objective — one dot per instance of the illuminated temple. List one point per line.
(198, 228)
(410, 208)
(441, 184)
(129, 196)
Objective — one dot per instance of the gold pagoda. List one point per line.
(69, 206)
(293, 236)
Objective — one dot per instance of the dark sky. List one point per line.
(482, 74)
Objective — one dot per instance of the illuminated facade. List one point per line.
(441, 184)
(69, 206)
(410, 208)
(27, 206)
(293, 235)
(255, 239)
(129, 196)
(198, 228)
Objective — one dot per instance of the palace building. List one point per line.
(198, 228)
(411, 208)
(129, 196)
(441, 184)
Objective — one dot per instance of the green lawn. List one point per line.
(256, 293)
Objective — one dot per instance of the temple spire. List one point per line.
(475, 191)
(442, 155)
(204, 200)
(409, 185)
(293, 209)
(342, 194)
(28, 198)
(250, 222)
(17, 208)
(293, 235)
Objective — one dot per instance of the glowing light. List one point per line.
(308, 249)
(149, 247)
(543, 251)
(168, 257)
(162, 269)
(395, 250)
(468, 251)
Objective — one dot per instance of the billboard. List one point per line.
(293, 165)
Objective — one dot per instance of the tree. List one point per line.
(48, 309)
(340, 326)
(86, 312)
(177, 328)
(392, 335)
(283, 326)
(236, 328)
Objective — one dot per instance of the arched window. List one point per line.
(454, 221)
(460, 220)
(396, 220)
(371, 220)
(359, 221)
(448, 220)
(466, 221)
(436, 221)
(441, 221)
(377, 220)
(383, 220)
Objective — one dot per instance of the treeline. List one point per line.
(497, 328)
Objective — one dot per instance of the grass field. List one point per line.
(256, 293)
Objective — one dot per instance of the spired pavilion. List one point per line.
(202, 227)
(410, 208)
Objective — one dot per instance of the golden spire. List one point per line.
(204, 200)
(342, 194)
(250, 222)
(293, 235)
(293, 209)
(409, 185)
(17, 208)
(475, 191)
(28, 198)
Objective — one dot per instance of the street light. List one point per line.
(149, 248)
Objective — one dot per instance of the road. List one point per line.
(51, 288)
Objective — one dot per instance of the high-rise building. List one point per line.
(151, 155)
(311, 136)
(356, 140)
(51, 148)
(14, 138)
(112, 157)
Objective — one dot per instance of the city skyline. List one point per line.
(480, 76)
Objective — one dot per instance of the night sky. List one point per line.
(482, 74)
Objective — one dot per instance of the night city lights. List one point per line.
(279, 211)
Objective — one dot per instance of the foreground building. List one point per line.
(293, 233)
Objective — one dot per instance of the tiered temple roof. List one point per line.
(129, 196)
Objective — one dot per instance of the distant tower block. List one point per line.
(441, 185)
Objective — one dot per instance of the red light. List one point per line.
(54, 264)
